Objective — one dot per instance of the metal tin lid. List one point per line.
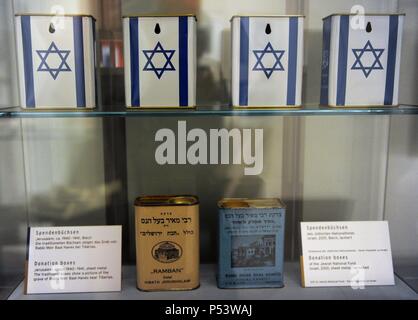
(242, 203)
(365, 14)
(166, 200)
(53, 15)
(268, 16)
(159, 15)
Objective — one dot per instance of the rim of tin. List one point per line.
(166, 200)
(364, 14)
(163, 108)
(45, 109)
(356, 106)
(159, 15)
(54, 15)
(267, 16)
(250, 203)
(165, 290)
(284, 107)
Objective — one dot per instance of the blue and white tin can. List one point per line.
(160, 61)
(251, 243)
(361, 60)
(267, 61)
(56, 61)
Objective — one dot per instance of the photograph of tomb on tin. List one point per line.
(253, 251)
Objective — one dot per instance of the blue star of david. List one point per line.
(358, 64)
(149, 65)
(53, 50)
(277, 54)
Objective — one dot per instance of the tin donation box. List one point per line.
(251, 243)
(160, 61)
(361, 60)
(167, 242)
(267, 61)
(56, 61)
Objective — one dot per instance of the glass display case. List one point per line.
(74, 168)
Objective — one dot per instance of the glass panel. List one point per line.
(86, 168)
(401, 197)
(13, 210)
(209, 111)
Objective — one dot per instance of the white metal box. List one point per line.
(267, 61)
(361, 60)
(160, 61)
(56, 61)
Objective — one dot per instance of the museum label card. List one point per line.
(354, 253)
(73, 259)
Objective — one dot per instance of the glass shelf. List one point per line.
(207, 111)
(209, 290)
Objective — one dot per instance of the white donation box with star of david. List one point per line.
(267, 61)
(360, 60)
(56, 61)
(160, 61)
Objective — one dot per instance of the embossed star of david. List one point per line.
(362, 65)
(150, 65)
(53, 60)
(275, 54)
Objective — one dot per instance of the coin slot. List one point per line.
(157, 29)
(51, 28)
(369, 27)
(268, 28)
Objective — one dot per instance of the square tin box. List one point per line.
(267, 61)
(167, 242)
(160, 61)
(251, 243)
(56, 61)
(361, 60)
